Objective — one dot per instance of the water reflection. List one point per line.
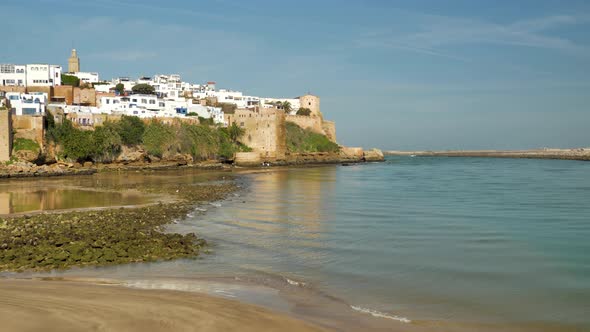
(33, 199)
(99, 190)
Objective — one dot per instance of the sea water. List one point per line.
(458, 242)
(499, 241)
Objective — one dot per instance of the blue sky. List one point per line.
(392, 74)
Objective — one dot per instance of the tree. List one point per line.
(287, 107)
(144, 89)
(120, 89)
(235, 132)
(131, 130)
(304, 111)
(70, 80)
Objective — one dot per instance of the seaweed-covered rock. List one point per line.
(113, 236)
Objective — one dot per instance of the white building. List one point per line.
(271, 102)
(13, 75)
(27, 103)
(86, 77)
(43, 75)
(30, 75)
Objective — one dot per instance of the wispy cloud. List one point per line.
(434, 34)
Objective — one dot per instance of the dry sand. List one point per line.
(39, 305)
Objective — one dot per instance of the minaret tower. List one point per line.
(74, 62)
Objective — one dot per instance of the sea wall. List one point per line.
(247, 159)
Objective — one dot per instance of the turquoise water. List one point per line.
(466, 242)
(460, 239)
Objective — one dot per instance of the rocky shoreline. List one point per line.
(103, 237)
(25, 169)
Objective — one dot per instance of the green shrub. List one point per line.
(70, 80)
(131, 130)
(158, 138)
(305, 140)
(106, 142)
(25, 144)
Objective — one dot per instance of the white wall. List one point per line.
(27, 103)
(13, 75)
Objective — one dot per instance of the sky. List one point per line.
(403, 75)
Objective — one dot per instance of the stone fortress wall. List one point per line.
(5, 130)
(265, 131)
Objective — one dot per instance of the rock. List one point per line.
(27, 155)
(131, 154)
(374, 155)
(88, 164)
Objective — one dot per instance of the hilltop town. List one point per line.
(36, 97)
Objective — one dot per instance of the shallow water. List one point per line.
(468, 241)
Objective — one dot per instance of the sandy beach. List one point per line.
(39, 305)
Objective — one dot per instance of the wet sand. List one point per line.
(39, 305)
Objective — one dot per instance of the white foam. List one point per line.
(294, 283)
(379, 314)
(215, 204)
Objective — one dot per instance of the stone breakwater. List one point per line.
(112, 236)
(567, 154)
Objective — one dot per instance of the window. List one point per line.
(144, 101)
(108, 101)
(162, 104)
(152, 102)
(241, 124)
(134, 100)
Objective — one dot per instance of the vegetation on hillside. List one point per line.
(158, 139)
(305, 140)
(25, 144)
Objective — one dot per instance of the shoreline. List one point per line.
(29, 170)
(74, 306)
(563, 154)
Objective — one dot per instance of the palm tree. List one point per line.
(287, 107)
(235, 132)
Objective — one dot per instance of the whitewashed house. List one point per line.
(27, 103)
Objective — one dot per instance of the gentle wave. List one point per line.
(380, 314)
(294, 283)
